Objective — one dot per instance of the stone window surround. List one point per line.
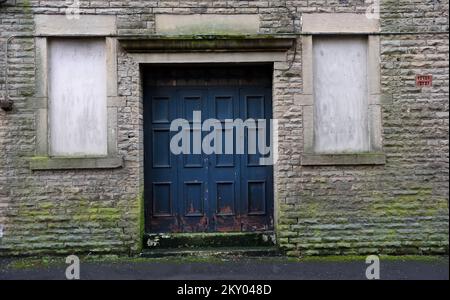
(58, 26)
(349, 24)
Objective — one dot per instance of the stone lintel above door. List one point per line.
(199, 43)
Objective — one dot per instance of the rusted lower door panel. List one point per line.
(199, 192)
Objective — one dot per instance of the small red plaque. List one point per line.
(424, 80)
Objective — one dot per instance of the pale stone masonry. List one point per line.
(391, 202)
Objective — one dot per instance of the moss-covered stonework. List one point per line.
(412, 223)
(400, 207)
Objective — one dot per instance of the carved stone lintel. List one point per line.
(207, 44)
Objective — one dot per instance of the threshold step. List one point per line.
(213, 252)
(204, 240)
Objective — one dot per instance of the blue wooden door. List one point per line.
(205, 192)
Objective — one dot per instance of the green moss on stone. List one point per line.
(39, 158)
(409, 205)
(27, 7)
(141, 214)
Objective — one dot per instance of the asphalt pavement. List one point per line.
(236, 269)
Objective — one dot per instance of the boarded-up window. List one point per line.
(340, 95)
(77, 91)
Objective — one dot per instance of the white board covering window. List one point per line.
(340, 93)
(77, 97)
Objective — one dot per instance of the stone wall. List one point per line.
(400, 207)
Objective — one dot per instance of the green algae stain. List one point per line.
(141, 215)
(27, 7)
(416, 203)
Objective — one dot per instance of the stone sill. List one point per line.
(343, 159)
(69, 163)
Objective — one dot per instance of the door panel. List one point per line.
(192, 169)
(224, 174)
(256, 179)
(160, 164)
(201, 192)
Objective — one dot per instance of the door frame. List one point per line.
(274, 204)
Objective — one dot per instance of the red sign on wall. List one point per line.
(424, 80)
